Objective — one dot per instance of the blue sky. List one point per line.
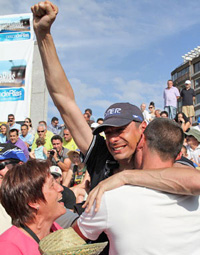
(119, 51)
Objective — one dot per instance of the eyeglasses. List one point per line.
(3, 164)
(26, 121)
(42, 131)
(150, 107)
(10, 119)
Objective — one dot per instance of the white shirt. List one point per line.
(146, 116)
(141, 221)
(194, 154)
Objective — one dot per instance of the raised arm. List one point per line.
(44, 14)
(177, 180)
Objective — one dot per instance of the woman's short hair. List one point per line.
(22, 185)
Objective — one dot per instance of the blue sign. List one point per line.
(11, 94)
(15, 36)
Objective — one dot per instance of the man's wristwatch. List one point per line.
(57, 161)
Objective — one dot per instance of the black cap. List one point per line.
(118, 115)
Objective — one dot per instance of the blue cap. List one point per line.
(9, 151)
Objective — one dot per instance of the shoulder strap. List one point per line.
(28, 230)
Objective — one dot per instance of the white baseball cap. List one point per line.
(55, 170)
(188, 82)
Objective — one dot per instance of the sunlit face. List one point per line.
(3, 130)
(143, 107)
(169, 84)
(151, 108)
(157, 114)
(86, 116)
(100, 122)
(27, 122)
(76, 158)
(57, 145)
(52, 208)
(67, 135)
(41, 131)
(88, 113)
(55, 123)
(122, 141)
(24, 130)
(13, 137)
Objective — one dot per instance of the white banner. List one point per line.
(16, 57)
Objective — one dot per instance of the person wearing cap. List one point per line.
(122, 134)
(170, 95)
(188, 99)
(68, 197)
(143, 221)
(193, 145)
(10, 155)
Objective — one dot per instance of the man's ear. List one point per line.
(141, 142)
(143, 126)
(179, 155)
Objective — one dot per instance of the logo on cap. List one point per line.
(112, 111)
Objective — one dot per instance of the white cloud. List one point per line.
(137, 92)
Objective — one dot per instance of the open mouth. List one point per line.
(118, 149)
(60, 199)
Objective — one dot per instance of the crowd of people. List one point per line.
(130, 178)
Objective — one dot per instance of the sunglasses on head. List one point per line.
(4, 164)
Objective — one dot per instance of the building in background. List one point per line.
(39, 92)
(189, 70)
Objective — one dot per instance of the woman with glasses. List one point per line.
(32, 198)
(4, 136)
(152, 111)
(28, 122)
